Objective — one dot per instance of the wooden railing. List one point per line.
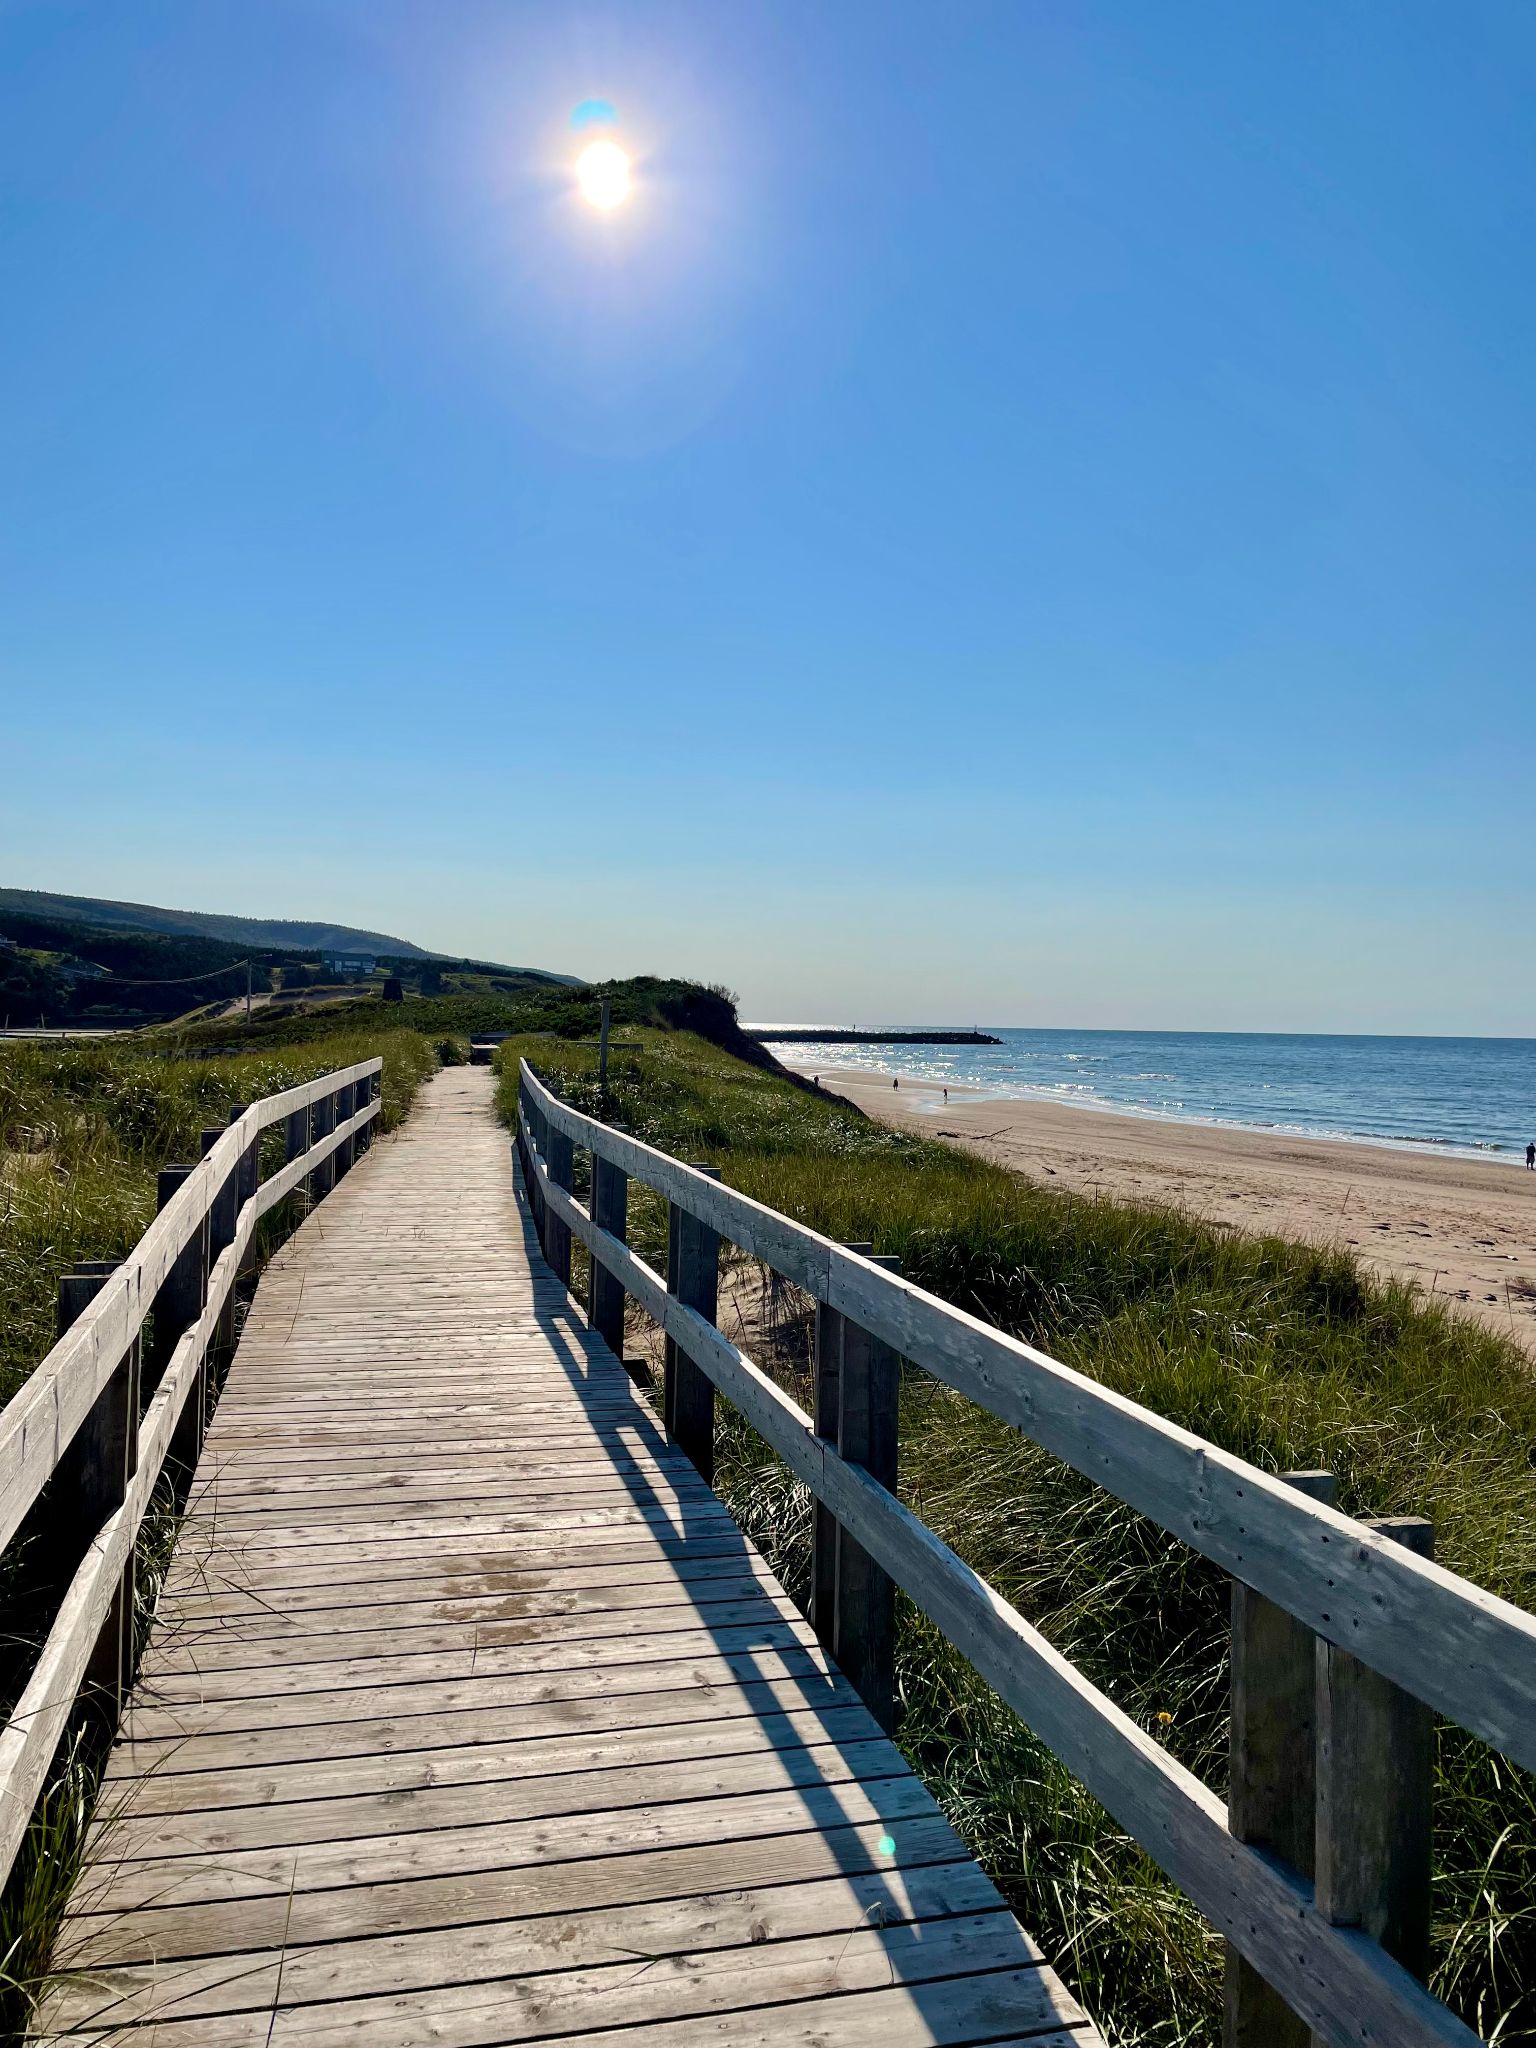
(1344, 1637)
(123, 1395)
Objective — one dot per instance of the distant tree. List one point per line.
(394, 990)
(431, 979)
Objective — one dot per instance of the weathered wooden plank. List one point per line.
(442, 1573)
(698, 1870)
(181, 1652)
(355, 1816)
(760, 1976)
(194, 1686)
(504, 1753)
(306, 1976)
(323, 1498)
(668, 1667)
(453, 1719)
(310, 1611)
(373, 1562)
(454, 1522)
(120, 1887)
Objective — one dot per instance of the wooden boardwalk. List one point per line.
(471, 1717)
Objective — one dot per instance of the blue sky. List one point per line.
(1027, 515)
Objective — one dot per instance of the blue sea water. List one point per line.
(1467, 1095)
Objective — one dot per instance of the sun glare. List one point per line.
(602, 172)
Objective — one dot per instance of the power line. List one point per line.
(177, 980)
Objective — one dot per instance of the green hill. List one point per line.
(271, 934)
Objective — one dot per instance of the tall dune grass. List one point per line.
(1286, 1354)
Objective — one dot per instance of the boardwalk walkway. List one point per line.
(471, 1717)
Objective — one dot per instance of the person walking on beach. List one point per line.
(1530, 1158)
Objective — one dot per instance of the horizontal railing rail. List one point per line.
(1373, 1612)
(82, 1422)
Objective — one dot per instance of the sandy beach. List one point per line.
(1460, 1229)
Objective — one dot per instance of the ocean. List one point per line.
(1475, 1096)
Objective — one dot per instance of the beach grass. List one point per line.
(1287, 1354)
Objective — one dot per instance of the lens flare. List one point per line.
(602, 173)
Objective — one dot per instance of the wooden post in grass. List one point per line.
(178, 1304)
(1272, 1776)
(864, 1614)
(693, 1275)
(1375, 1780)
(90, 1484)
(605, 1294)
(538, 1127)
(826, 1369)
(295, 1145)
(520, 1141)
(346, 1100)
(560, 1158)
(323, 1178)
(250, 1170)
(247, 1180)
(222, 1211)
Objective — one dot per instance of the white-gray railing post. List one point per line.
(693, 1276)
(560, 1158)
(223, 1211)
(868, 1422)
(1375, 1780)
(346, 1108)
(295, 1145)
(180, 1301)
(826, 1370)
(1271, 1774)
(91, 1483)
(323, 1122)
(610, 1212)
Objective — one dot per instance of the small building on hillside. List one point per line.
(350, 964)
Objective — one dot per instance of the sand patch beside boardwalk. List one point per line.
(1459, 1228)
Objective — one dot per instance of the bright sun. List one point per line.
(602, 172)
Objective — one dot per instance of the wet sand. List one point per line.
(1460, 1229)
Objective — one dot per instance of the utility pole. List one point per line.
(247, 991)
(602, 1055)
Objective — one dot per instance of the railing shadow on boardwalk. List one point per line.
(704, 1527)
